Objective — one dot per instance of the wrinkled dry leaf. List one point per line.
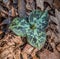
(24, 56)
(9, 47)
(57, 4)
(21, 8)
(40, 4)
(17, 54)
(49, 1)
(34, 57)
(28, 49)
(48, 55)
(54, 19)
(13, 12)
(1, 31)
(34, 52)
(58, 47)
(30, 5)
(17, 40)
(57, 13)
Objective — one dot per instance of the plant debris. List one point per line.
(16, 47)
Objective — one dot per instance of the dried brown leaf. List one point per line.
(1, 31)
(40, 4)
(49, 1)
(30, 5)
(48, 55)
(57, 4)
(34, 52)
(58, 47)
(28, 49)
(21, 8)
(35, 57)
(24, 56)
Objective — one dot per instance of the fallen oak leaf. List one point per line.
(40, 4)
(58, 47)
(56, 4)
(24, 55)
(49, 55)
(21, 8)
(28, 49)
(18, 40)
(30, 4)
(34, 52)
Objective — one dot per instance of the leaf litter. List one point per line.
(15, 47)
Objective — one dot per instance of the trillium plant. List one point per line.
(34, 28)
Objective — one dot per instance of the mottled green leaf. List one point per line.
(19, 26)
(34, 29)
(39, 19)
(36, 39)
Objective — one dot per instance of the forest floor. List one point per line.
(15, 47)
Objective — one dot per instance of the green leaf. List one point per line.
(36, 39)
(39, 19)
(34, 29)
(37, 36)
(19, 26)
